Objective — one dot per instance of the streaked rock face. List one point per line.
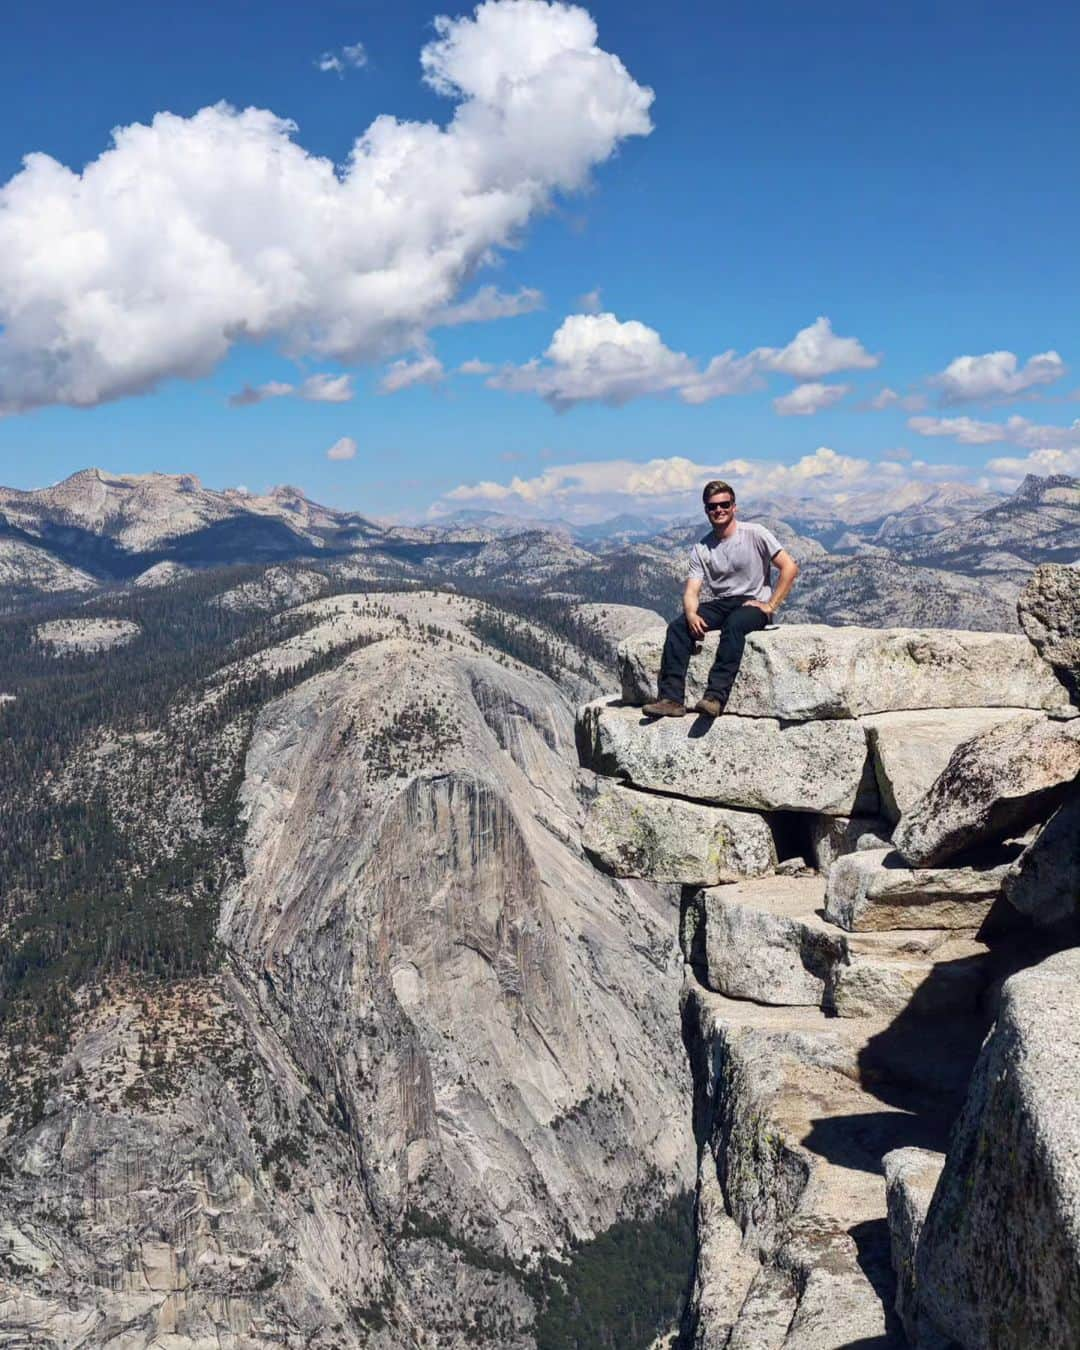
(998, 782)
(998, 1260)
(1049, 612)
(419, 921)
(445, 1043)
(803, 672)
(751, 762)
(667, 839)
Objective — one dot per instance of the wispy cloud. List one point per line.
(426, 369)
(807, 399)
(1015, 430)
(889, 398)
(590, 302)
(490, 303)
(353, 57)
(315, 389)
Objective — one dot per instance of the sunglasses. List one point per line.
(719, 506)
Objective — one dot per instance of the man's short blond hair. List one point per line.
(714, 486)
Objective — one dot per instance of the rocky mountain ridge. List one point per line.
(941, 555)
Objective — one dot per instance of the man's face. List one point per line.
(720, 508)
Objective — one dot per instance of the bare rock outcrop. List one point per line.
(1044, 883)
(1049, 612)
(74, 637)
(998, 1258)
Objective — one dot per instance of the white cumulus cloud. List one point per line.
(677, 480)
(807, 399)
(995, 375)
(601, 358)
(816, 351)
(342, 449)
(1008, 473)
(193, 233)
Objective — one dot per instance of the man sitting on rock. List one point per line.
(727, 588)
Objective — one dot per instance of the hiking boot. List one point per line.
(665, 707)
(710, 705)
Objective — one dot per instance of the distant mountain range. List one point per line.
(952, 553)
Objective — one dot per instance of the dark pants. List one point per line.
(735, 618)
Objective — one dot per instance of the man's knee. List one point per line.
(746, 618)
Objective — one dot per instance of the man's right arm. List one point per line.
(691, 594)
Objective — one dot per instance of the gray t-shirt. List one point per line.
(735, 566)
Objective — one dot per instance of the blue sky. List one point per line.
(908, 172)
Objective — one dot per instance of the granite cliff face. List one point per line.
(439, 1050)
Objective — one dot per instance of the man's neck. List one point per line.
(728, 530)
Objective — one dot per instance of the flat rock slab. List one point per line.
(912, 748)
(994, 785)
(998, 1260)
(806, 672)
(754, 763)
(764, 941)
(667, 839)
(876, 890)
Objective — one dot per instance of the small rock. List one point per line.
(877, 890)
(911, 1174)
(833, 836)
